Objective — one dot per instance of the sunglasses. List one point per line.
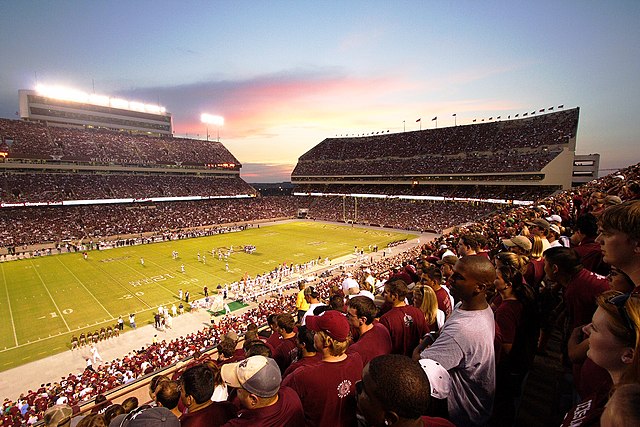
(620, 302)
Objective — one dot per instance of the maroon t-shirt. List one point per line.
(586, 413)
(406, 325)
(303, 362)
(275, 339)
(375, 342)
(286, 412)
(580, 296)
(436, 422)
(328, 391)
(444, 302)
(535, 273)
(213, 415)
(591, 256)
(285, 353)
(591, 379)
(508, 316)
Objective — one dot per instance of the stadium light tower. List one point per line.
(209, 119)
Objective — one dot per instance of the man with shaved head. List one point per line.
(465, 345)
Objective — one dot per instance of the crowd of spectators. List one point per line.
(520, 145)
(27, 140)
(505, 192)
(56, 187)
(481, 368)
(26, 226)
(506, 160)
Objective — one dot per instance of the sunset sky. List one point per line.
(287, 74)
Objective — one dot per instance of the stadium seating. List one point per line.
(525, 145)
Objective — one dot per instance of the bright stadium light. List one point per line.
(99, 100)
(119, 103)
(136, 106)
(209, 119)
(74, 95)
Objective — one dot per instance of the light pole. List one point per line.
(209, 119)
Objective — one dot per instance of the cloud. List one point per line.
(264, 172)
(254, 106)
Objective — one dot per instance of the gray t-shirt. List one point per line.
(465, 349)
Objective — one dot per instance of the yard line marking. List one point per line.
(50, 296)
(85, 288)
(6, 289)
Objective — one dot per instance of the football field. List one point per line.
(45, 301)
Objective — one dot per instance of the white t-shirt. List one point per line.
(310, 311)
(465, 349)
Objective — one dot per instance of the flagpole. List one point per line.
(404, 126)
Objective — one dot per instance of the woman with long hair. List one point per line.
(425, 299)
(516, 337)
(614, 344)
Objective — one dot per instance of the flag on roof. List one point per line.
(418, 120)
(435, 118)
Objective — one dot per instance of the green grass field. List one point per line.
(44, 301)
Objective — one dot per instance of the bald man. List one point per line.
(465, 345)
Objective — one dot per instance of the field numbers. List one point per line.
(129, 296)
(153, 279)
(65, 311)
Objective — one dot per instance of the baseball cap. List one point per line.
(146, 416)
(554, 218)
(612, 200)
(554, 228)
(332, 322)
(520, 241)
(449, 259)
(257, 374)
(232, 335)
(539, 222)
(439, 378)
(57, 413)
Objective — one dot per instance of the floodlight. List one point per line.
(119, 103)
(99, 100)
(136, 106)
(212, 120)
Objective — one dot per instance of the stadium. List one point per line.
(105, 214)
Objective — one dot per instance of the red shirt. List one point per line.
(285, 353)
(586, 413)
(508, 316)
(312, 360)
(375, 342)
(591, 256)
(406, 325)
(286, 412)
(436, 422)
(444, 301)
(275, 339)
(213, 415)
(328, 391)
(580, 296)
